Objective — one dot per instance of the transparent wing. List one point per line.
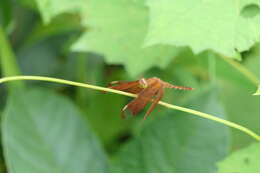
(131, 87)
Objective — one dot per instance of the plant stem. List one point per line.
(8, 61)
(251, 76)
(200, 114)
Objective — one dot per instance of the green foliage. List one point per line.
(49, 9)
(216, 25)
(119, 39)
(178, 142)
(245, 160)
(45, 132)
(117, 30)
(7, 58)
(69, 129)
(5, 13)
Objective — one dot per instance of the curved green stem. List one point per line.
(200, 114)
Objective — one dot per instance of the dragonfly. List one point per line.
(147, 90)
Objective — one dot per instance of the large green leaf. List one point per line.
(223, 26)
(178, 143)
(243, 161)
(116, 30)
(44, 133)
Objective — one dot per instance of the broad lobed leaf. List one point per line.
(44, 132)
(223, 26)
(117, 29)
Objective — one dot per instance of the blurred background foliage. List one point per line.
(50, 127)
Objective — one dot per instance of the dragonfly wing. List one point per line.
(157, 98)
(131, 87)
(143, 98)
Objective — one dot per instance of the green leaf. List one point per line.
(5, 13)
(8, 63)
(178, 143)
(217, 25)
(236, 94)
(28, 4)
(107, 121)
(117, 30)
(40, 58)
(52, 8)
(242, 108)
(243, 161)
(258, 91)
(252, 62)
(60, 25)
(44, 132)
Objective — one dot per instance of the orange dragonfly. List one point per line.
(149, 89)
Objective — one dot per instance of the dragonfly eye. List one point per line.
(143, 83)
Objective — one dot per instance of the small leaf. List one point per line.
(243, 161)
(258, 91)
(44, 132)
(178, 142)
